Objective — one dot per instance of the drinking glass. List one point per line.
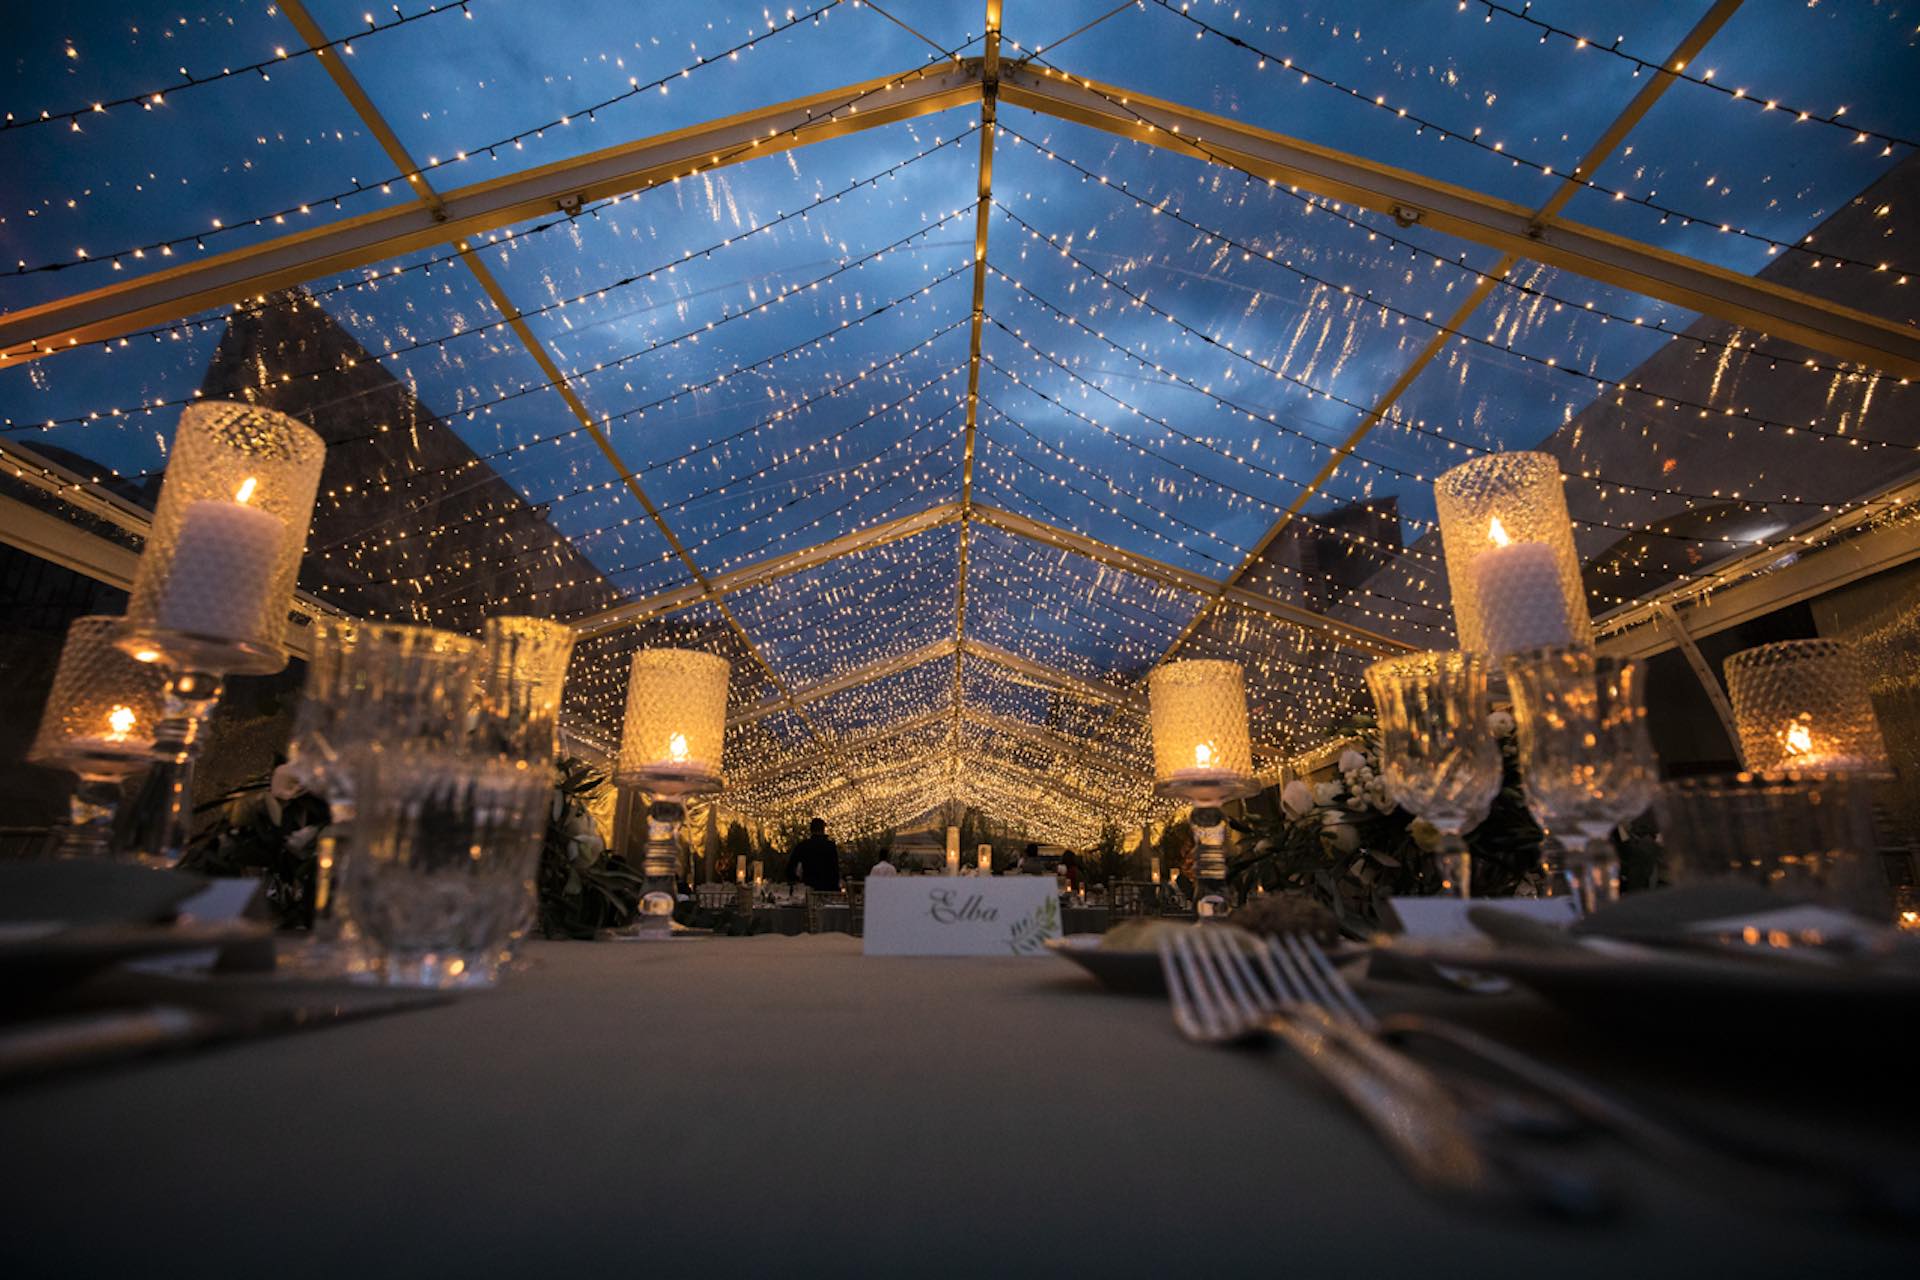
(445, 847)
(1437, 757)
(1585, 757)
(1803, 835)
(523, 669)
(369, 686)
(99, 722)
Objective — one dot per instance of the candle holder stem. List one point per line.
(659, 873)
(163, 823)
(88, 831)
(1456, 866)
(1595, 872)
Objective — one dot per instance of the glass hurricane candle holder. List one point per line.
(1438, 759)
(670, 747)
(99, 723)
(217, 575)
(1201, 751)
(1802, 705)
(1511, 562)
(215, 581)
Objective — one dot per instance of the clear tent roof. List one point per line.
(737, 394)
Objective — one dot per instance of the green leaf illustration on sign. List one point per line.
(1031, 934)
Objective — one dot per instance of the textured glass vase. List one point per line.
(1522, 491)
(1803, 705)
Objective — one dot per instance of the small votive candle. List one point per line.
(985, 854)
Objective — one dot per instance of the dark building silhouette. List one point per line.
(411, 525)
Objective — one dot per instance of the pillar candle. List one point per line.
(986, 858)
(222, 570)
(1522, 605)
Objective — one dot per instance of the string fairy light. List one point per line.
(1474, 138)
(416, 177)
(157, 95)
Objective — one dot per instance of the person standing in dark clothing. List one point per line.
(815, 861)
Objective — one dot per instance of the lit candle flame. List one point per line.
(146, 655)
(677, 748)
(1497, 533)
(245, 491)
(1799, 739)
(1203, 755)
(122, 719)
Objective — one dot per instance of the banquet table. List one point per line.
(750, 1105)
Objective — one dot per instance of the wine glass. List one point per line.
(1585, 757)
(1437, 757)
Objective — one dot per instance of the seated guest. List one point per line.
(884, 868)
(1030, 862)
(815, 861)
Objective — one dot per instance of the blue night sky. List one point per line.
(846, 366)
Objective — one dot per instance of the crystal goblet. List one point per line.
(1585, 757)
(1437, 757)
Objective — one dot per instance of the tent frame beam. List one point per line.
(1466, 214)
(469, 212)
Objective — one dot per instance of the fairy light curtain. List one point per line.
(1209, 406)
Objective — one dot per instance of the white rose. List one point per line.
(586, 848)
(1346, 837)
(1500, 724)
(1296, 798)
(1352, 761)
(285, 784)
(300, 839)
(1358, 804)
(1327, 792)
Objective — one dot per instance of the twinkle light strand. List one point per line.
(1506, 280)
(1474, 139)
(1392, 415)
(148, 99)
(416, 177)
(1762, 101)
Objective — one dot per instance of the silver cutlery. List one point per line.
(1222, 993)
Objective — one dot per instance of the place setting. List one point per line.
(965, 639)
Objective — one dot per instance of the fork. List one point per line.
(1303, 957)
(1218, 999)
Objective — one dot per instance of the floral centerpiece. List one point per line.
(584, 887)
(1345, 842)
(270, 828)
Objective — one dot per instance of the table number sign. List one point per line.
(961, 916)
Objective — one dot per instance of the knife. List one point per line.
(109, 1035)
